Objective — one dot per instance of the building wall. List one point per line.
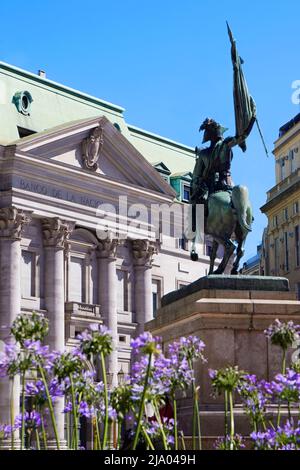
(281, 254)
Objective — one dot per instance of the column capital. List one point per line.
(12, 221)
(56, 231)
(107, 248)
(143, 252)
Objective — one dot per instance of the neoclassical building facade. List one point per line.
(68, 162)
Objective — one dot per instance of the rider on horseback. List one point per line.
(212, 171)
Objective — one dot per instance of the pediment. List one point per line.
(118, 159)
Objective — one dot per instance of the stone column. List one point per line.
(108, 298)
(12, 221)
(143, 251)
(55, 234)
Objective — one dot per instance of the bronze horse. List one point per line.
(229, 219)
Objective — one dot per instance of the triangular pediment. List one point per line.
(162, 168)
(118, 159)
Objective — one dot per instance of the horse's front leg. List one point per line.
(213, 255)
(229, 248)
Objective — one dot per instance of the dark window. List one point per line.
(286, 214)
(286, 251)
(186, 192)
(25, 132)
(276, 255)
(297, 246)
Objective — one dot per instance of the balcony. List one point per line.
(284, 185)
(79, 315)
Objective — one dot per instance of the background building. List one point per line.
(52, 259)
(281, 241)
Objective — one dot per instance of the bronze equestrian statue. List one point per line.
(227, 209)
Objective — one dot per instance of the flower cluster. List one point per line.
(32, 327)
(285, 437)
(226, 379)
(283, 334)
(96, 340)
(227, 443)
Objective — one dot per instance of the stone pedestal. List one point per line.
(230, 314)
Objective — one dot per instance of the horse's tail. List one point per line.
(241, 203)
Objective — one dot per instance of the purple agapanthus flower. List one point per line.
(32, 420)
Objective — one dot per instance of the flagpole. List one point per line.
(262, 137)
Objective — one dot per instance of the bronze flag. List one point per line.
(244, 105)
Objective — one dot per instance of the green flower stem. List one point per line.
(43, 431)
(143, 430)
(198, 421)
(175, 423)
(142, 404)
(196, 414)
(146, 436)
(97, 433)
(105, 430)
(161, 428)
(68, 430)
(119, 424)
(231, 419)
(50, 405)
(37, 437)
(226, 414)
(182, 440)
(12, 418)
(284, 361)
(23, 411)
(283, 367)
(74, 411)
(194, 424)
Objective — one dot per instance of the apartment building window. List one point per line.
(275, 221)
(276, 255)
(282, 169)
(286, 214)
(293, 160)
(122, 292)
(28, 274)
(286, 251)
(186, 192)
(156, 295)
(296, 207)
(297, 245)
(298, 290)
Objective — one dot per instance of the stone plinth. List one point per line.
(230, 314)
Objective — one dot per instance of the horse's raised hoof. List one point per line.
(194, 255)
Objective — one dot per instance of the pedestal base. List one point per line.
(230, 314)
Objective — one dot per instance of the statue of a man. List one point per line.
(212, 171)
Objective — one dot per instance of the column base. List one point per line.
(51, 444)
(5, 444)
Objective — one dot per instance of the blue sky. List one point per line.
(168, 63)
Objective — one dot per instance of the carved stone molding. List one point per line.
(56, 232)
(12, 221)
(107, 248)
(91, 148)
(143, 252)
